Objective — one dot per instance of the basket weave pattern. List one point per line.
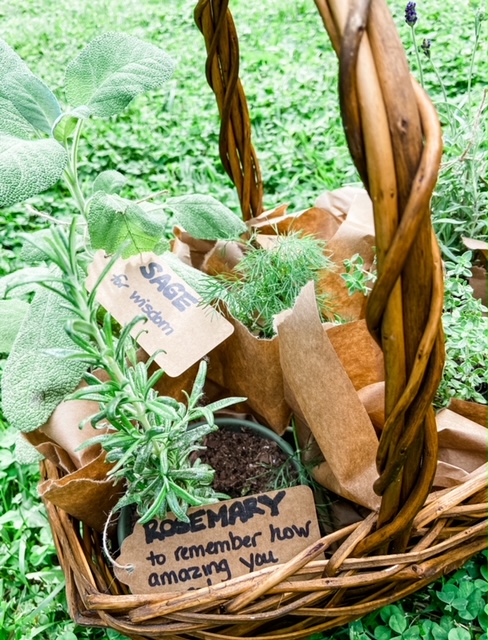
(395, 141)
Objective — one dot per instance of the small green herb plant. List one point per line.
(460, 199)
(150, 440)
(357, 278)
(268, 280)
(40, 145)
(465, 328)
(63, 334)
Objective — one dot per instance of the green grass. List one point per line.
(168, 140)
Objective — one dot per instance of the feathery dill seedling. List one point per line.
(268, 281)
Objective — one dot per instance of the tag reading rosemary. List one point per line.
(221, 541)
(176, 323)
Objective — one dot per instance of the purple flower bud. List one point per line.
(411, 13)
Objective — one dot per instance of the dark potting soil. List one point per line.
(246, 463)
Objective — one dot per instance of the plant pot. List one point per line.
(236, 425)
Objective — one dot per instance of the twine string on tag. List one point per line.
(125, 567)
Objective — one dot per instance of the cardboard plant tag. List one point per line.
(221, 541)
(177, 325)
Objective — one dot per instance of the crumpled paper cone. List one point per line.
(372, 397)
(461, 429)
(472, 410)
(190, 250)
(358, 352)
(50, 450)
(63, 428)
(209, 256)
(86, 494)
(478, 278)
(323, 397)
(478, 282)
(248, 366)
(462, 448)
(317, 221)
(84, 491)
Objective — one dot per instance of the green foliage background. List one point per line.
(168, 140)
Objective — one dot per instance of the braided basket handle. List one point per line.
(395, 141)
(237, 153)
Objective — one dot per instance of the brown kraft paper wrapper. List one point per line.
(478, 279)
(323, 397)
(462, 448)
(84, 491)
(462, 435)
(86, 494)
(249, 366)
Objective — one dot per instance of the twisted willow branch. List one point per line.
(222, 68)
(395, 141)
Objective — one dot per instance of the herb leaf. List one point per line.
(12, 122)
(110, 181)
(32, 99)
(112, 70)
(12, 313)
(28, 167)
(33, 382)
(206, 218)
(115, 222)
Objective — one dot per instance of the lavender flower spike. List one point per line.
(411, 13)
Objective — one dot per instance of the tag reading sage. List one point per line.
(221, 541)
(177, 326)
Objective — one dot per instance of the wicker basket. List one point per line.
(395, 141)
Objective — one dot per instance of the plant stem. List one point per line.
(71, 171)
(477, 25)
(439, 80)
(419, 64)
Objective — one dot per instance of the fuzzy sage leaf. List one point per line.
(115, 222)
(12, 314)
(28, 167)
(29, 96)
(206, 218)
(110, 181)
(33, 382)
(32, 99)
(112, 70)
(22, 282)
(12, 122)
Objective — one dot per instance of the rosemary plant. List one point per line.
(149, 440)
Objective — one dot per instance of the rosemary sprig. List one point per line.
(150, 440)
